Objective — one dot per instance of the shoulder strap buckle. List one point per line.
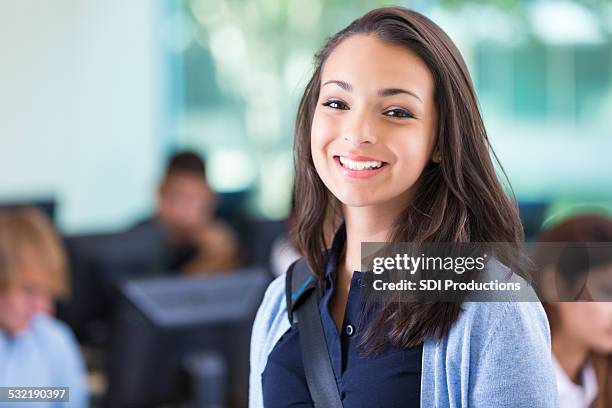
(299, 282)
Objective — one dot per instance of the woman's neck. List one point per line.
(571, 356)
(364, 224)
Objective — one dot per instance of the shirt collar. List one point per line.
(334, 255)
(569, 391)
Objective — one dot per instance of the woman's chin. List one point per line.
(357, 199)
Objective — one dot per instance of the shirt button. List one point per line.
(349, 330)
(360, 282)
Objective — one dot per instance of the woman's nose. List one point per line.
(358, 129)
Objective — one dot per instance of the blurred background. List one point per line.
(95, 96)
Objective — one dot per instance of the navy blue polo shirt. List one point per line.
(389, 379)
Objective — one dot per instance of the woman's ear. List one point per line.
(436, 157)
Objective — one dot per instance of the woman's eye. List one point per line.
(398, 113)
(336, 105)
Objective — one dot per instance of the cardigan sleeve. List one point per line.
(514, 366)
(270, 321)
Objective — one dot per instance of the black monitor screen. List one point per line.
(165, 324)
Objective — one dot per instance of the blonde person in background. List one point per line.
(581, 330)
(36, 350)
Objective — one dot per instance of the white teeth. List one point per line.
(359, 165)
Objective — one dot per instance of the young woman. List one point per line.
(390, 147)
(581, 331)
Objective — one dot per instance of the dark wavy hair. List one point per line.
(459, 199)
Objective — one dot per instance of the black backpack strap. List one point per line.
(303, 301)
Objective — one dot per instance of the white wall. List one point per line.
(80, 106)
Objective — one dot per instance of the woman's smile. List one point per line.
(359, 167)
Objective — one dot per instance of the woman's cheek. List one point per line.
(323, 133)
(412, 155)
(324, 128)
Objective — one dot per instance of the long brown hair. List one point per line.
(459, 199)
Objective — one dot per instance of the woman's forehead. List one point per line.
(368, 64)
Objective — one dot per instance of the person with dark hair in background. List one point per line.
(197, 242)
(581, 326)
(36, 350)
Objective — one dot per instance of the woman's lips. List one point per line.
(357, 157)
(359, 174)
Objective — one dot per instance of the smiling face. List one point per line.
(373, 129)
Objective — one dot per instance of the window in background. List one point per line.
(542, 72)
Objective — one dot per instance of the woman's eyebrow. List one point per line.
(342, 84)
(395, 91)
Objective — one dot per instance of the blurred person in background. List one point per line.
(197, 242)
(581, 327)
(36, 350)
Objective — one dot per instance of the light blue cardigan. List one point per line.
(496, 355)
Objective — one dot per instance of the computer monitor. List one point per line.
(181, 339)
(261, 237)
(47, 205)
(233, 210)
(98, 264)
